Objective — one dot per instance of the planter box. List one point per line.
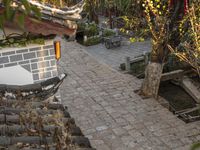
(27, 65)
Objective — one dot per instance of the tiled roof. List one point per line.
(53, 20)
(64, 16)
(31, 119)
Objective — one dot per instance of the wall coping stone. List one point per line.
(7, 49)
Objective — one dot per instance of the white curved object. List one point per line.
(15, 75)
(71, 10)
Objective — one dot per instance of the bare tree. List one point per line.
(157, 16)
(189, 49)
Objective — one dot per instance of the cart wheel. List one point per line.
(118, 44)
(107, 45)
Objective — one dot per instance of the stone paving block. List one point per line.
(14, 58)
(4, 60)
(23, 62)
(117, 144)
(10, 64)
(107, 110)
(127, 139)
(98, 142)
(29, 55)
(52, 52)
(34, 66)
(120, 131)
(49, 58)
(174, 144)
(43, 64)
(45, 75)
(121, 121)
(48, 46)
(8, 53)
(53, 62)
(187, 147)
(42, 53)
(35, 77)
(102, 147)
(89, 131)
(36, 60)
(27, 67)
(35, 49)
(22, 51)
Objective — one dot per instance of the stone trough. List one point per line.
(188, 101)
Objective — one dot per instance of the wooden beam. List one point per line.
(172, 75)
(191, 89)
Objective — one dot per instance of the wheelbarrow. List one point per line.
(112, 41)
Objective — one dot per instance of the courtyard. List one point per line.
(110, 114)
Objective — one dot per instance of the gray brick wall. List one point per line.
(39, 60)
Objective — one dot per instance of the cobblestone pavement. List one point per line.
(114, 57)
(111, 115)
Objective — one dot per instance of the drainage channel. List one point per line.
(179, 102)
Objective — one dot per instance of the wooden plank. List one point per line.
(137, 59)
(191, 89)
(172, 75)
(189, 110)
(183, 111)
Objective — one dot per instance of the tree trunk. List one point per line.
(151, 83)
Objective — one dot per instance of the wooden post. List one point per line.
(127, 64)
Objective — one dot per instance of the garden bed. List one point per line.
(176, 96)
(179, 89)
(180, 101)
(90, 34)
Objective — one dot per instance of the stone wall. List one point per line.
(39, 60)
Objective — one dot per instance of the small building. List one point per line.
(32, 62)
(31, 116)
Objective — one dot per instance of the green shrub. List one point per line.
(91, 30)
(133, 39)
(107, 33)
(20, 42)
(92, 41)
(81, 26)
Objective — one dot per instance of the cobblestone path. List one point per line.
(114, 57)
(111, 115)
